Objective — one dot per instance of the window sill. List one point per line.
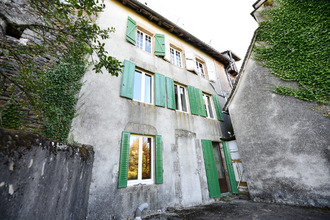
(139, 183)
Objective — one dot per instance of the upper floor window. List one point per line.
(200, 69)
(176, 57)
(142, 87)
(180, 98)
(143, 41)
(208, 106)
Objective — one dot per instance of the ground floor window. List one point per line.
(141, 160)
(140, 165)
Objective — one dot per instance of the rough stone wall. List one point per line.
(15, 18)
(41, 179)
(284, 143)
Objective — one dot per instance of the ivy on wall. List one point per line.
(44, 54)
(295, 45)
(59, 98)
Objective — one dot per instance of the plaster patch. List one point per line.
(43, 169)
(11, 189)
(31, 162)
(2, 184)
(11, 166)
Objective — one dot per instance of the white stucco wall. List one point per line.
(103, 115)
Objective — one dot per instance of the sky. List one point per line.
(222, 24)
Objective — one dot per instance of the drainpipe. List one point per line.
(139, 210)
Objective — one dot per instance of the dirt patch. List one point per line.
(242, 209)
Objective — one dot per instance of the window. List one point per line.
(200, 69)
(180, 98)
(142, 87)
(140, 160)
(143, 41)
(208, 106)
(175, 57)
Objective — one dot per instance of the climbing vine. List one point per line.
(59, 98)
(294, 43)
(44, 59)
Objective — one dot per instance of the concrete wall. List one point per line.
(41, 179)
(283, 142)
(103, 115)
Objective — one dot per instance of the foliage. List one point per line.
(58, 99)
(134, 160)
(11, 115)
(294, 45)
(47, 69)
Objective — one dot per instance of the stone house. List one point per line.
(156, 128)
(284, 143)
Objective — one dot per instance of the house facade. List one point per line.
(156, 127)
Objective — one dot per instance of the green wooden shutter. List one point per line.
(159, 160)
(199, 98)
(230, 169)
(159, 90)
(130, 30)
(123, 164)
(170, 93)
(127, 81)
(192, 100)
(218, 108)
(211, 169)
(160, 44)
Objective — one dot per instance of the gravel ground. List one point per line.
(241, 209)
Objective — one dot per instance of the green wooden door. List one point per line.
(230, 169)
(210, 169)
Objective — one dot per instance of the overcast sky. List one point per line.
(223, 24)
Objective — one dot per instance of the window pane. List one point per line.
(178, 58)
(205, 105)
(176, 97)
(148, 43)
(172, 55)
(183, 99)
(146, 158)
(133, 160)
(210, 106)
(147, 89)
(202, 70)
(139, 40)
(137, 85)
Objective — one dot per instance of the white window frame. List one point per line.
(200, 72)
(175, 57)
(143, 87)
(152, 166)
(205, 100)
(179, 97)
(144, 35)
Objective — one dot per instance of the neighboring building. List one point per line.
(156, 128)
(283, 142)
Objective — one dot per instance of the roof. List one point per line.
(174, 29)
(232, 54)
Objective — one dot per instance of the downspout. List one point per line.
(139, 210)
